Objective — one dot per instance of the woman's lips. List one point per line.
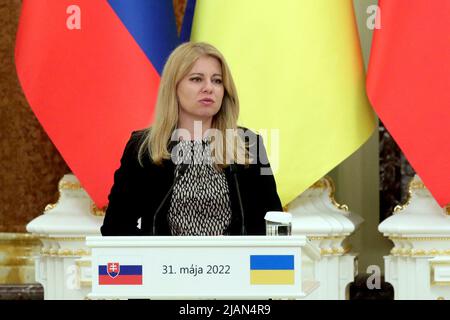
(206, 102)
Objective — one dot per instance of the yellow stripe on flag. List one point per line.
(272, 277)
(298, 68)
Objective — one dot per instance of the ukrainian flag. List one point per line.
(272, 269)
(299, 73)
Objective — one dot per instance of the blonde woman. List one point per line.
(194, 171)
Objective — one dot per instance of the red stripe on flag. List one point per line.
(120, 280)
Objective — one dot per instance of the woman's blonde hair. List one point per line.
(156, 141)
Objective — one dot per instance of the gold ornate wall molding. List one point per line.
(16, 257)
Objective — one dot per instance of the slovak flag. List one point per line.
(115, 274)
(90, 70)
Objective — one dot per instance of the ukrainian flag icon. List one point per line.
(272, 269)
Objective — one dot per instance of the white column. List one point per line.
(420, 231)
(62, 229)
(328, 225)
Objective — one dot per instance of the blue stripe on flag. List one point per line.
(271, 262)
(152, 24)
(124, 270)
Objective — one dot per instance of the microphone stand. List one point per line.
(234, 170)
(182, 170)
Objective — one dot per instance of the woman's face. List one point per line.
(200, 92)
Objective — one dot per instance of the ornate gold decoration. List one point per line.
(50, 206)
(320, 238)
(416, 185)
(393, 238)
(84, 263)
(82, 252)
(67, 185)
(63, 185)
(447, 209)
(325, 251)
(440, 298)
(421, 252)
(433, 264)
(335, 251)
(412, 185)
(64, 252)
(62, 238)
(405, 252)
(85, 283)
(330, 182)
(17, 252)
(432, 252)
(400, 252)
(9, 237)
(407, 202)
(418, 252)
(321, 184)
(402, 207)
(96, 211)
(327, 183)
(394, 251)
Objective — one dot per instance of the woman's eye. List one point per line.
(196, 79)
(218, 81)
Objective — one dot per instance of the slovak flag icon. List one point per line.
(114, 273)
(113, 269)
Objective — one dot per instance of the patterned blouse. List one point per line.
(200, 202)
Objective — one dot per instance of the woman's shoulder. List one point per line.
(249, 136)
(247, 132)
(134, 143)
(137, 138)
(140, 134)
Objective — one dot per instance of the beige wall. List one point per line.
(357, 178)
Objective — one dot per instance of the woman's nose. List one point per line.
(208, 87)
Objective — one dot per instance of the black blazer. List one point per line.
(138, 191)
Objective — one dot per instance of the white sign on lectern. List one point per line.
(201, 267)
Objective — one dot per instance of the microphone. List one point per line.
(181, 171)
(234, 170)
